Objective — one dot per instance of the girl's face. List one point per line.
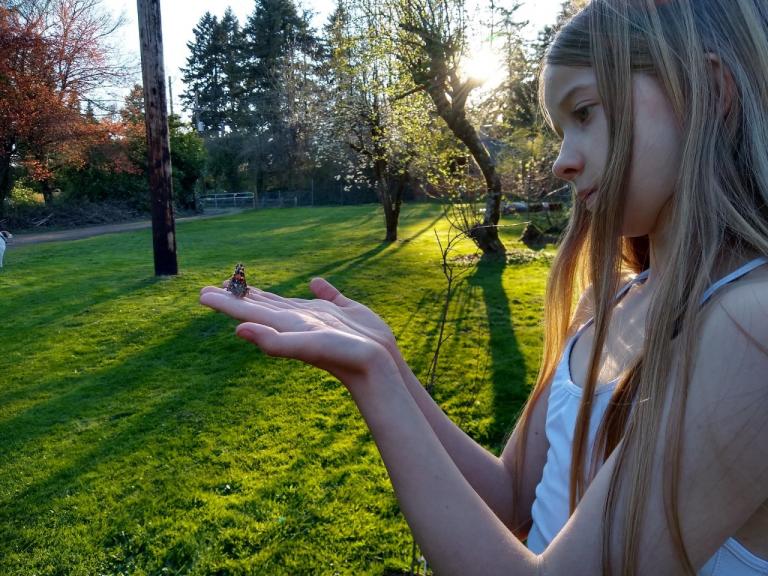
(572, 100)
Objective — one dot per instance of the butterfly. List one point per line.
(237, 284)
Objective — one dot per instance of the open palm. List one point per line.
(331, 332)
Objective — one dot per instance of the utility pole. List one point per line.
(158, 144)
(170, 93)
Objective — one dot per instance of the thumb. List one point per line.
(326, 291)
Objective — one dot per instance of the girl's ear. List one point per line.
(726, 87)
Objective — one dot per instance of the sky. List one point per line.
(179, 17)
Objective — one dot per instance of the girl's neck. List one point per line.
(659, 241)
(729, 258)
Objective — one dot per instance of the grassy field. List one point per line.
(139, 436)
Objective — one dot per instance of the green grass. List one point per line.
(140, 437)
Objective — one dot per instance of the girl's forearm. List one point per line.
(457, 531)
(485, 472)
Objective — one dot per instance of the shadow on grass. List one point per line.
(507, 364)
(151, 403)
(64, 297)
(131, 412)
(356, 264)
(156, 375)
(72, 320)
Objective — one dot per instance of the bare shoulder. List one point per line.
(729, 386)
(736, 320)
(585, 308)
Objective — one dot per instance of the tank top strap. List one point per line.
(735, 275)
(639, 278)
(619, 295)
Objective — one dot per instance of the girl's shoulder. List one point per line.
(745, 298)
(736, 316)
(731, 360)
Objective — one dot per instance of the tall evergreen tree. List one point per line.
(204, 76)
(279, 54)
(231, 40)
(274, 34)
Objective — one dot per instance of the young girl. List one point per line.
(643, 448)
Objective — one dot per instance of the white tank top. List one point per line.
(550, 508)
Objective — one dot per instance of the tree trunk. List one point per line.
(6, 179)
(47, 189)
(391, 213)
(158, 143)
(485, 235)
(389, 204)
(392, 199)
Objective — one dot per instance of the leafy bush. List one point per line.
(22, 194)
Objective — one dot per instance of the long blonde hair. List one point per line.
(719, 206)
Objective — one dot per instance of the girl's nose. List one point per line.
(569, 163)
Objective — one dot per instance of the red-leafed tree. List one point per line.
(53, 56)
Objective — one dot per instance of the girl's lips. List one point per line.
(586, 194)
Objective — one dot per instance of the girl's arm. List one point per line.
(490, 476)
(724, 469)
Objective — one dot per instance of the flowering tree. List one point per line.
(53, 55)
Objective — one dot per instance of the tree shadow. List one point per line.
(105, 418)
(92, 430)
(356, 263)
(115, 387)
(507, 363)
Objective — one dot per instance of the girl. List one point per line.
(643, 448)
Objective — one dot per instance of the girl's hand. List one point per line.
(332, 332)
(358, 317)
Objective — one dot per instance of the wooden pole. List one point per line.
(158, 144)
(170, 93)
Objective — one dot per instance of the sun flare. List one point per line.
(485, 65)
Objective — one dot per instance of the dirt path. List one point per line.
(89, 231)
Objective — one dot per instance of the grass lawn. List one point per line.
(139, 436)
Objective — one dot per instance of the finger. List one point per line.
(253, 295)
(206, 289)
(269, 304)
(274, 343)
(326, 291)
(280, 299)
(248, 311)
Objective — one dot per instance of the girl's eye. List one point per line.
(582, 114)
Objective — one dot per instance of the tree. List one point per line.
(509, 114)
(53, 55)
(251, 90)
(433, 41)
(375, 108)
(279, 54)
(204, 76)
(188, 157)
(115, 167)
(214, 75)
